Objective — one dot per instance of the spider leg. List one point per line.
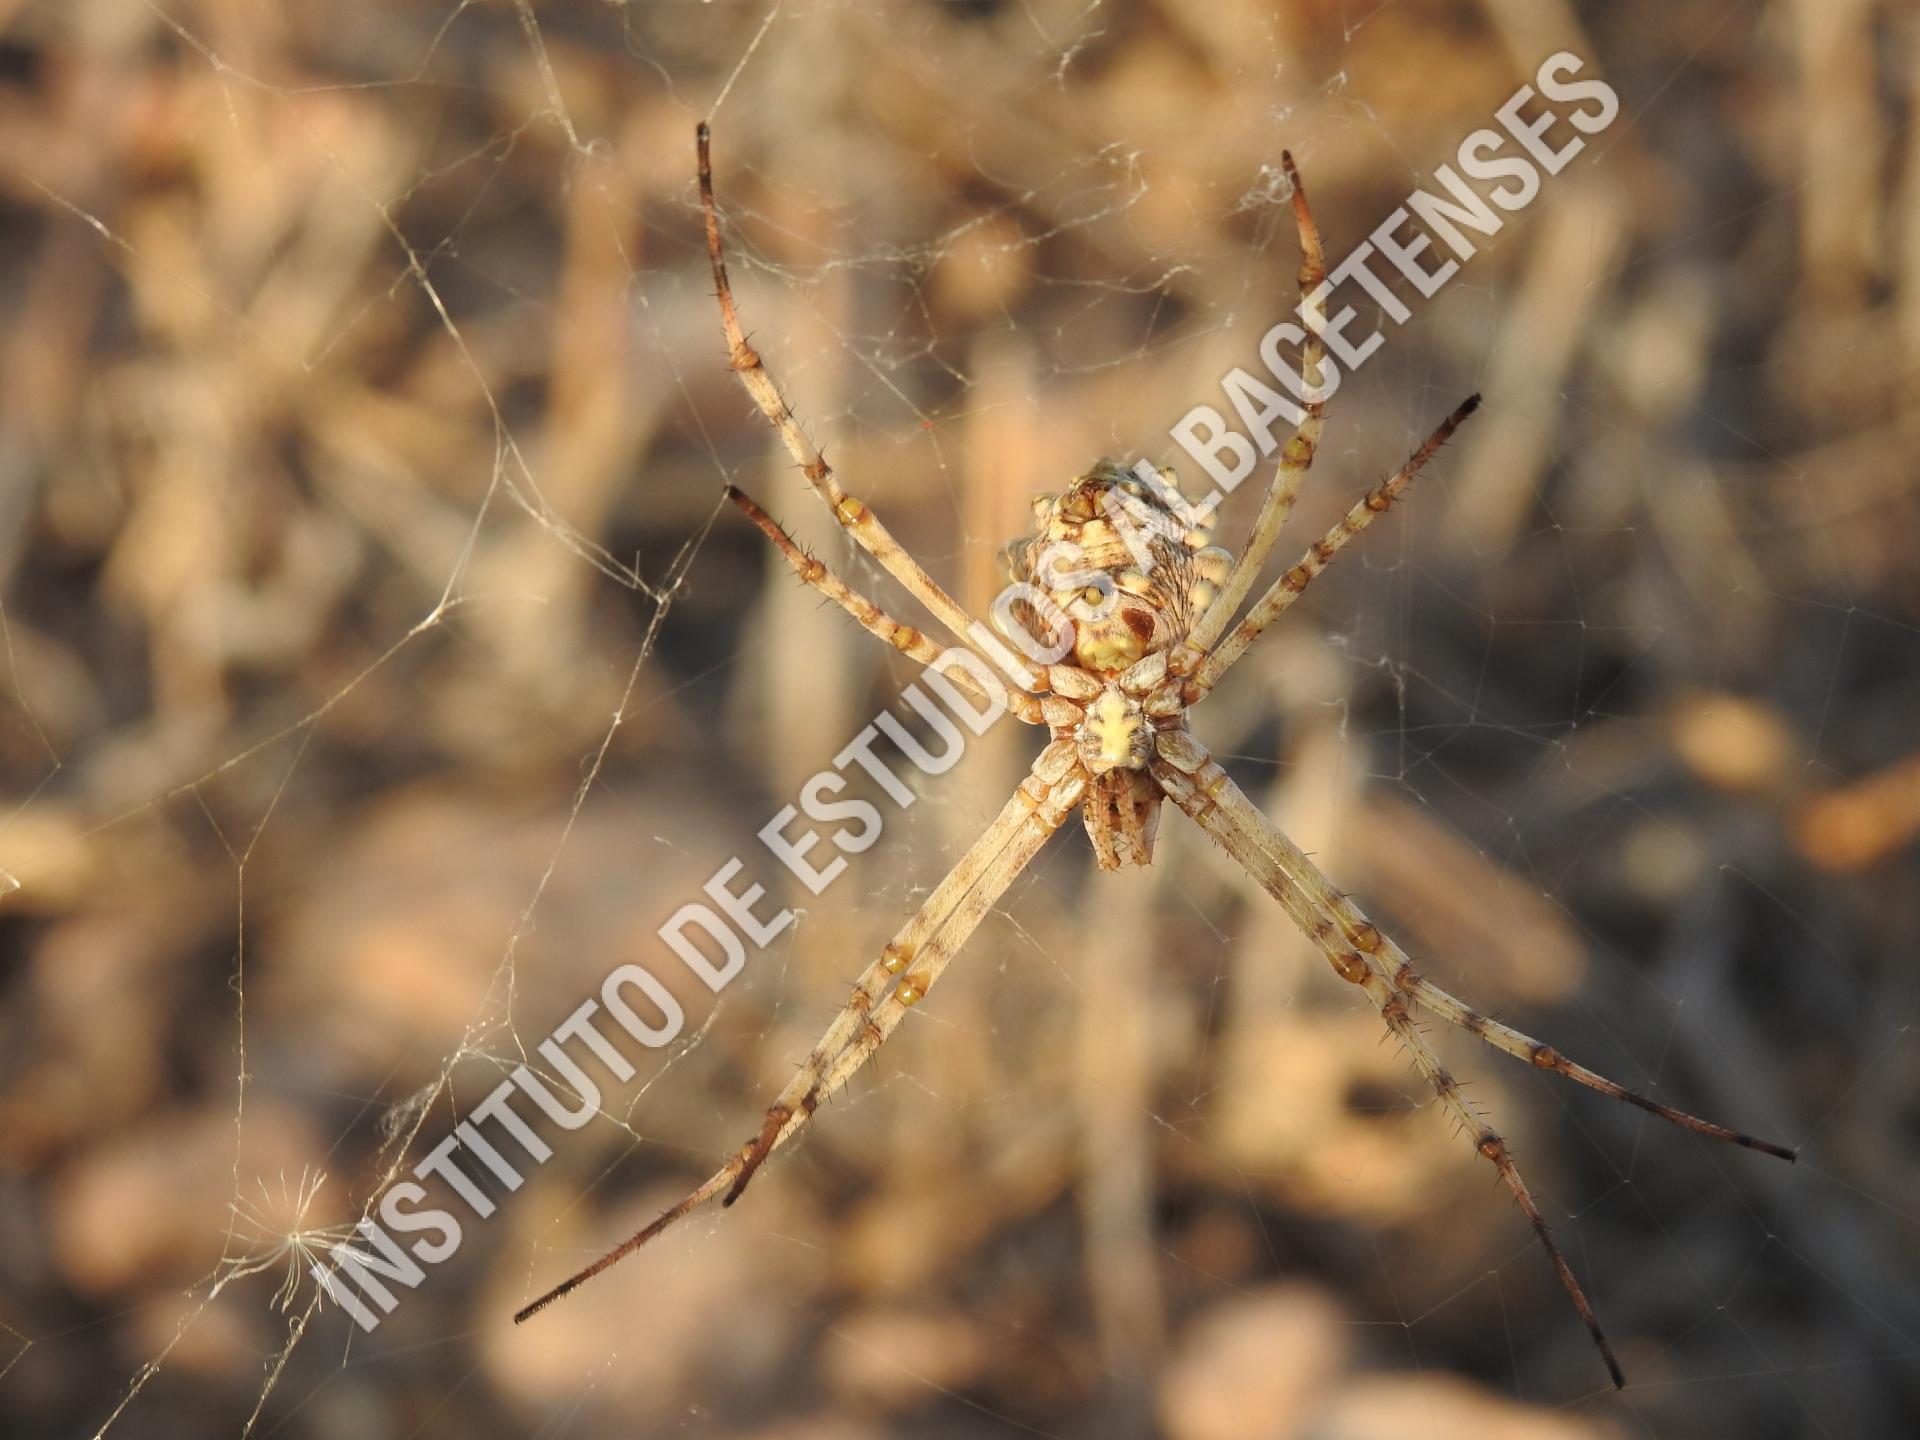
(1295, 459)
(1043, 811)
(1431, 998)
(851, 512)
(1356, 933)
(897, 980)
(1284, 591)
(1038, 806)
(875, 621)
(1201, 788)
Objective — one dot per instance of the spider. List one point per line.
(1148, 633)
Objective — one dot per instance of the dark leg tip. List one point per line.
(527, 1312)
(1767, 1147)
(739, 1186)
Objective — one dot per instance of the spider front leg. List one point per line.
(908, 966)
(913, 961)
(1046, 812)
(1362, 954)
(1354, 933)
(1202, 789)
(1437, 1002)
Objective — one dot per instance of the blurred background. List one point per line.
(381, 667)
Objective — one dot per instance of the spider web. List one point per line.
(383, 667)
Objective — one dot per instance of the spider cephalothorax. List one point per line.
(1115, 742)
(1135, 615)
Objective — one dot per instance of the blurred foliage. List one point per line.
(363, 419)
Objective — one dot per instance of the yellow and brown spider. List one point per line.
(1146, 643)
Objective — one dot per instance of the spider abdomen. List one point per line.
(1121, 558)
